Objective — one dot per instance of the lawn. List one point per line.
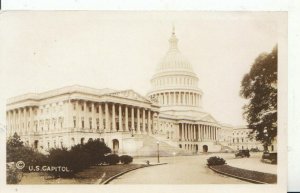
(93, 175)
(247, 174)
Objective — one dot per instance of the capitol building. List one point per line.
(171, 114)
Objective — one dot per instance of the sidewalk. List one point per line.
(253, 163)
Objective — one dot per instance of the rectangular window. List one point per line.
(82, 107)
(82, 122)
(97, 123)
(90, 109)
(74, 121)
(90, 121)
(74, 107)
(97, 110)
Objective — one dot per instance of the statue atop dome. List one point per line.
(173, 40)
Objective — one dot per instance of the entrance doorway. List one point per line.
(36, 144)
(205, 148)
(115, 145)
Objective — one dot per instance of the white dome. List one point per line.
(174, 84)
(174, 60)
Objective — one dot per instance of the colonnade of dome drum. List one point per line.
(185, 98)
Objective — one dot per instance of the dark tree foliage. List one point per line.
(17, 151)
(78, 158)
(259, 86)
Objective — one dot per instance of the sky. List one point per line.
(46, 50)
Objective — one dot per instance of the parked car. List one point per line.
(243, 153)
(271, 156)
(254, 150)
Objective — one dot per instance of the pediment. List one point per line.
(208, 118)
(130, 94)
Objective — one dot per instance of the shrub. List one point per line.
(213, 161)
(96, 150)
(13, 175)
(112, 159)
(78, 158)
(126, 159)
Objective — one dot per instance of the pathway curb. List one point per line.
(129, 170)
(237, 177)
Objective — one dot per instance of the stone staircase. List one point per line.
(165, 149)
(225, 148)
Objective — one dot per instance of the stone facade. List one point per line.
(243, 139)
(72, 115)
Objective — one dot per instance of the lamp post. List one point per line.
(266, 135)
(157, 151)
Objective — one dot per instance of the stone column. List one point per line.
(113, 117)
(195, 133)
(25, 119)
(93, 117)
(144, 121)
(13, 121)
(208, 132)
(184, 131)
(192, 132)
(126, 118)
(8, 123)
(132, 119)
(138, 121)
(120, 118)
(199, 132)
(153, 119)
(189, 132)
(78, 109)
(84, 114)
(31, 115)
(173, 95)
(214, 133)
(107, 117)
(100, 116)
(148, 121)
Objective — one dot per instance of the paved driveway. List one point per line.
(179, 170)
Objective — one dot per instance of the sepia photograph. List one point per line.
(142, 97)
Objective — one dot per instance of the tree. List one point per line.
(16, 151)
(259, 86)
(14, 141)
(78, 158)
